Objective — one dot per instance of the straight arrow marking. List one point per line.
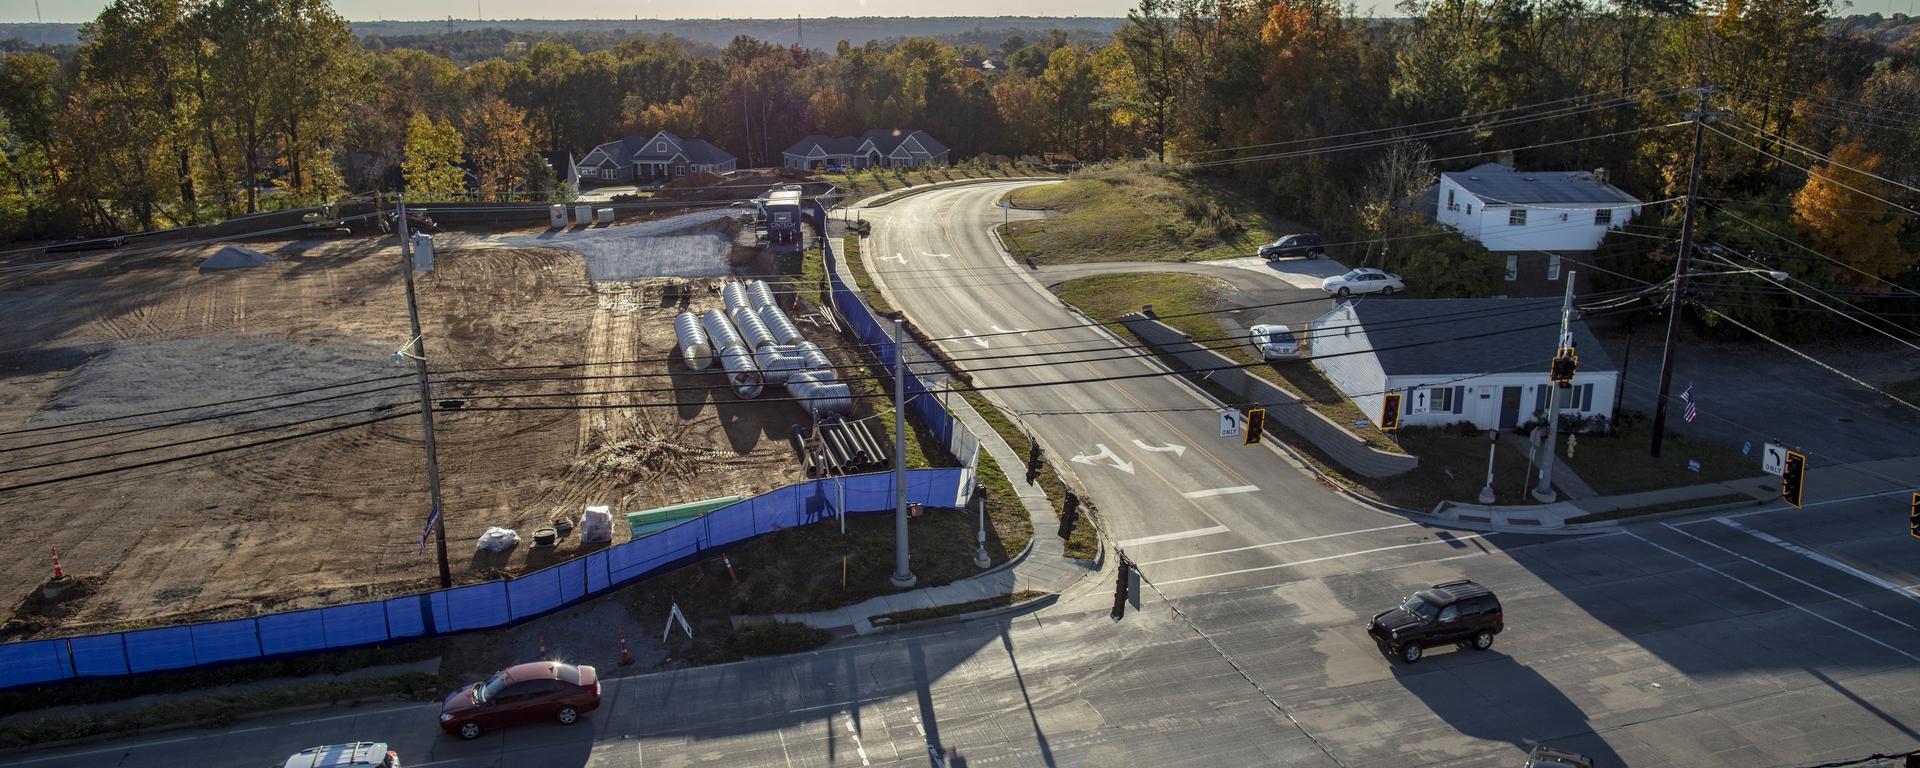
(968, 332)
(1105, 453)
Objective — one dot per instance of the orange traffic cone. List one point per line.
(543, 646)
(626, 656)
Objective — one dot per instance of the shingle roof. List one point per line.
(626, 149)
(1497, 184)
(884, 139)
(1416, 337)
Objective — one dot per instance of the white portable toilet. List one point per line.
(603, 216)
(583, 214)
(422, 252)
(557, 216)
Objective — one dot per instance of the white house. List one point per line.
(660, 158)
(1477, 360)
(1509, 210)
(880, 148)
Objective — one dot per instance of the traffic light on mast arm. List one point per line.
(1913, 517)
(1256, 425)
(1564, 365)
(1793, 478)
(1390, 412)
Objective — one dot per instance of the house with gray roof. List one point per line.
(1476, 360)
(664, 157)
(1535, 220)
(879, 148)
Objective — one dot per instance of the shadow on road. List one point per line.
(1489, 695)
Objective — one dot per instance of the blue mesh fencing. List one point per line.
(290, 632)
(165, 648)
(93, 656)
(39, 662)
(226, 641)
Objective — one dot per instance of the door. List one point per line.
(1509, 407)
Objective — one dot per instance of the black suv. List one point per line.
(1293, 246)
(1455, 612)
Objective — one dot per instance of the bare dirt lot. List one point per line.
(337, 516)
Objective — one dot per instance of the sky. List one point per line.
(370, 10)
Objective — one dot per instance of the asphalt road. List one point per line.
(1759, 639)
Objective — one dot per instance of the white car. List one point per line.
(1363, 280)
(1275, 342)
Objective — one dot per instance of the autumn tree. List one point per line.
(498, 141)
(431, 161)
(1150, 42)
(1841, 207)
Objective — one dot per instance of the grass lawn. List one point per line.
(1138, 217)
(1453, 467)
(1615, 465)
(867, 183)
(1106, 297)
(1908, 390)
(1084, 544)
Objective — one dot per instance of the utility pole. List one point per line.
(1700, 117)
(419, 356)
(902, 578)
(1544, 493)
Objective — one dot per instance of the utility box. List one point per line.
(603, 216)
(583, 215)
(557, 216)
(422, 252)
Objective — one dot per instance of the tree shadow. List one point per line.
(1489, 695)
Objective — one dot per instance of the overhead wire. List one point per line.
(1796, 244)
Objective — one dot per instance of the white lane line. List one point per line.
(1328, 557)
(1172, 536)
(1278, 543)
(857, 746)
(1822, 559)
(108, 750)
(353, 715)
(1827, 592)
(1808, 505)
(1211, 492)
(1781, 600)
(783, 749)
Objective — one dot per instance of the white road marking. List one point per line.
(937, 255)
(1282, 543)
(1173, 448)
(125, 748)
(353, 715)
(1211, 492)
(1105, 453)
(1782, 600)
(783, 748)
(899, 257)
(968, 333)
(857, 746)
(1808, 505)
(1328, 557)
(1827, 592)
(1172, 536)
(998, 329)
(1822, 559)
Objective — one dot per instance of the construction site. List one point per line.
(223, 430)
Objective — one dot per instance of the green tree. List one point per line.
(431, 161)
(1150, 40)
(1441, 264)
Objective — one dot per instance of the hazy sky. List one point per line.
(368, 10)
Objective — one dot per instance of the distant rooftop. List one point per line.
(1498, 184)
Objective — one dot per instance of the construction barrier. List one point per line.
(475, 606)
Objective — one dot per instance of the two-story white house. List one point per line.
(1535, 219)
(1453, 360)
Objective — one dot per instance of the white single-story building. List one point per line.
(880, 148)
(661, 158)
(1478, 360)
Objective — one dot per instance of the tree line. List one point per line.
(183, 111)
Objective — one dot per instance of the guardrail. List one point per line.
(475, 606)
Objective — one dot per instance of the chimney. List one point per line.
(1505, 157)
(1600, 175)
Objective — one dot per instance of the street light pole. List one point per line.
(902, 578)
(419, 356)
(1700, 116)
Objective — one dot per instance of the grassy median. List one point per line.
(1139, 217)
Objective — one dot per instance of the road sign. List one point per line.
(1773, 459)
(1229, 423)
(1693, 465)
(1420, 405)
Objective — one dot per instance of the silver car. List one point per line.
(1275, 342)
(1363, 280)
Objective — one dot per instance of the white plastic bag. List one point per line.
(498, 539)
(596, 525)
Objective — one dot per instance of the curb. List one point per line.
(1033, 604)
(887, 197)
(152, 729)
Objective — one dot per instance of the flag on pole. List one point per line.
(1693, 410)
(432, 518)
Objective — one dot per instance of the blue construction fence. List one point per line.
(476, 606)
(877, 335)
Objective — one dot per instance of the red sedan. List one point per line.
(525, 693)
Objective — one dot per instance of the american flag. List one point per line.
(1693, 410)
(434, 517)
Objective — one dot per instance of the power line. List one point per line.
(1811, 300)
(1809, 171)
(1807, 357)
(1796, 244)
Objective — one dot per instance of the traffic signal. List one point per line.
(1033, 459)
(1256, 422)
(1793, 478)
(1913, 517)
(1390, 412)
(1564, 365)
(1120, 589)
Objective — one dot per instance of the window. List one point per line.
(660, 147)
(1517, 217)
(1603, 217)
(1513, 268)
(1451, 205)
(1449, 613)
(1553, 267)
(1469, 209)
(1582, 398)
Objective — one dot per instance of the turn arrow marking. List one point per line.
(899, 257)
(937, 255)
(1105, 453)
(968, 332)
(1177, 450)
(998, 329)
